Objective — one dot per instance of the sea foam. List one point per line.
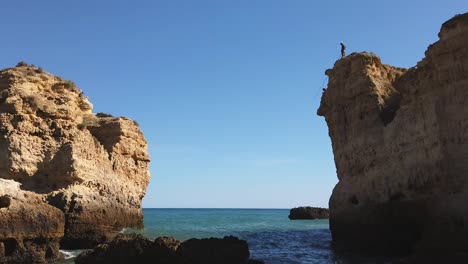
(68, 254)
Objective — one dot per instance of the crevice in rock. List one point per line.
(107, 133)
(49, 253)
(389, 110)
(10, 246)
(5, 201)
(396, 197)
(354, 200)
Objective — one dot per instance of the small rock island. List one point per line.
(307, 212)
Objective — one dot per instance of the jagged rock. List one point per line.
(167, 250)
(94, 168)
(30, 230)
(400, 142)
(308, 212)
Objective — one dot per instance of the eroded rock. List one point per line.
(400, 140)
(30, 230)
(94, 168)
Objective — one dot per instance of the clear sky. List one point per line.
(225, 91)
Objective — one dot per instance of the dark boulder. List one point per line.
(167, 250)
(132, 249)
(229, 250)
(308, 213)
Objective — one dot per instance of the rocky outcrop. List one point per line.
(132, 249)
(229, 250)
(166, 250)
(308, 212)
(93, 167)
(400, 142)
(30, 230)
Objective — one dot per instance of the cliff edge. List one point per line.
(90, 168)
(400, 143)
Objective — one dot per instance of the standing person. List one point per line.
(343, 50)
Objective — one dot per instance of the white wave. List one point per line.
(123, 230)
(68, 254)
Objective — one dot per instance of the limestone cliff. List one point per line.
(94, 168)
(400, 142)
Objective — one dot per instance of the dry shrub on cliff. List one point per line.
(21, 64)
(101, 114)
(70, 85)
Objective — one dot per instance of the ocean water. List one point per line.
(271, 236)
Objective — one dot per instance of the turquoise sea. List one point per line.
(271, 236)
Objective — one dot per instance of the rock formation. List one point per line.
(94, 168)
(132, 249)
(308, 212)
(167, 250)
(30, 230)
(400, 142)
(229, 250)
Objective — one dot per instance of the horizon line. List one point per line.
(249, 208)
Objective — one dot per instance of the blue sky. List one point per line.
(225, 91)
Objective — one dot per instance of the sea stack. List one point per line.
(308, 212)
(79, 175)
(400, 142)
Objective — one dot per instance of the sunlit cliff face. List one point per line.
(400, 140)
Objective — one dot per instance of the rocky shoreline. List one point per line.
(167, 250)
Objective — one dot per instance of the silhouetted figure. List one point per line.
(343, 50)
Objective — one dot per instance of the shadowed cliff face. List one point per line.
(94, 168)
(400, 143)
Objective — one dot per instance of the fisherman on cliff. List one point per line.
(343, 50)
